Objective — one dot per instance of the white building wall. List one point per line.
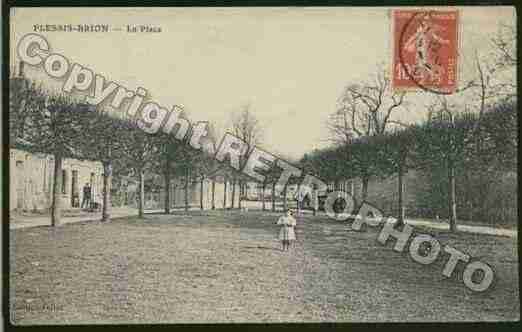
(31, 180)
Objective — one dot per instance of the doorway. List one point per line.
(75, 193)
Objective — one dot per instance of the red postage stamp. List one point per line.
(425, 50)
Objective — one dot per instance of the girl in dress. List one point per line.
(286, 234)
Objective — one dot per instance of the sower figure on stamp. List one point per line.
(287, 233)
(86, 201)
(421, 42)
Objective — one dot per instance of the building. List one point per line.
(31, 181)
(31, 174)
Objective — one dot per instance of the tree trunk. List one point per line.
(273, 196)
(141, 194)
(174, 195)
(56, 206)
(121, 194)
(213, 193)
(201, 193)
(469, 193)
(365, 181)
(284, 199)
(263, 196)
(315, 200)
(225, 194)
(240, 194)
(233, 191)
(167, 191)
(107, 183)
(452, 200)
(400, 218)
(187, 177)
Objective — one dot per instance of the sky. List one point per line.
(289, 64)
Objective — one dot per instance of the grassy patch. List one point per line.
(226, 266)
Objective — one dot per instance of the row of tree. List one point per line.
(446, 145)
(67, 127)
(370, 139)
(474, 129)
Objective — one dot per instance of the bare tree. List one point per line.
(366, 110)
(504, 43)
(492, 75)
(246, 126)
(495, 72)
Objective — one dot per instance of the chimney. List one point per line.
(21, 69)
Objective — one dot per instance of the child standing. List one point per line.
(286, 234)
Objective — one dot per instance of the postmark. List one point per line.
(425, 50)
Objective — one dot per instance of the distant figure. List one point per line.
(86, 196)
(286, 234)
(76, 200)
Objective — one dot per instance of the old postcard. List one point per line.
(262, 165)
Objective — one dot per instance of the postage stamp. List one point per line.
(425, 50)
